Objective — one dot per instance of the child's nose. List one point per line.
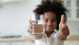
(49, 22)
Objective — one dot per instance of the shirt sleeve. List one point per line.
(37, 42)
(58, 41)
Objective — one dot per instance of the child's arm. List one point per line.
(37, 37)
(59, 36)
(63, 30)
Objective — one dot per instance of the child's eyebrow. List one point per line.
(51, 18)
(45, 18)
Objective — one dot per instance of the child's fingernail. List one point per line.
(33, 26)
(32, 34)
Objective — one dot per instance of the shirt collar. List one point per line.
(51, 34)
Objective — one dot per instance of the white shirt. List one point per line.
(53, 40)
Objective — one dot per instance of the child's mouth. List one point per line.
(49, 27)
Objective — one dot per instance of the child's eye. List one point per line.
(46, 20)
(53, 20)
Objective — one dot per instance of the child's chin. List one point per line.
(50, 29)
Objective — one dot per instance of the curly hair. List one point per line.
(51, 6)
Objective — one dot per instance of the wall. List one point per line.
(74, 27)
(14, 18)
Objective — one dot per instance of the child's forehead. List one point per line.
(49, 16)
(49, 12)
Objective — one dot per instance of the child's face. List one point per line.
(49, 21)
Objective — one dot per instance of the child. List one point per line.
(54, 23)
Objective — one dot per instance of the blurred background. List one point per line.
(15, 16)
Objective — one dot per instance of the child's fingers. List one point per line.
(30, 21)
(30, 26)
(65, 31)
(33, 26)
(65, 34)
(62, 18)
(31, 30)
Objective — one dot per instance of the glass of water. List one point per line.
(38, 26)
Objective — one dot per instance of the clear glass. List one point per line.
(77, 13)
(77, 2)
(69, 13)
(63, 3)
(68, 3)
(38, 27)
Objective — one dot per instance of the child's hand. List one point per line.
(32, 30)
(30, 26)
(63, 29)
